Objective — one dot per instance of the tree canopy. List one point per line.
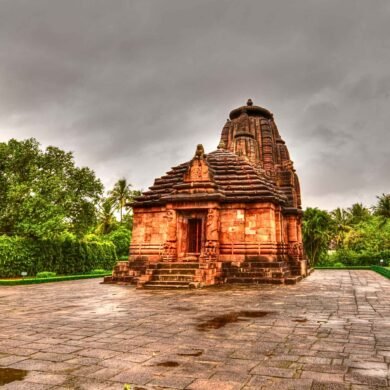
(43, 193)
(352, 236)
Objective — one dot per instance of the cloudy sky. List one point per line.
(132, 86)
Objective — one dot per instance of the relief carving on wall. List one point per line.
(212, 233)
(169, 247)
(295, 250)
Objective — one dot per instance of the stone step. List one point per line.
(167, 282)
(174, 271)
(118, 279)
(176, 265)
(165, 286)
(246, 280)
(245, 274)
(293, 279)
(173, 277)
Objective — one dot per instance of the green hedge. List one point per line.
(350, 258)
(14, 282)
(65, 257)
(381, 270)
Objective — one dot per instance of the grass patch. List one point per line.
(346, 267)
(15, 282)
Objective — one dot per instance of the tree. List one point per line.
(317, 233)
(382, 208)
(106, 218)
(341, 219)
(43, 194)
(358, 213)
(121, 195)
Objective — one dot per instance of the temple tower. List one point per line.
(233, 215)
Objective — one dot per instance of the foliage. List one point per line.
(43, 194)
(348, 257)
(106, 221)
(316, 229)
(15, 282)
(98, 271)
(359, 237)
(357, 213)
(382, 208)
(120, 195)
(46, 274)
(67, 256)
(383, 271)
(340, 218)
(372, 236)
(121, 239)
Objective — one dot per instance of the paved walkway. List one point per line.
(331, 331)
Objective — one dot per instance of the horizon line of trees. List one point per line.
(44, 196)
(357, 235)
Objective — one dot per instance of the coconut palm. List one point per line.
(358, 213)
(121, 195)
(341, 219)
(382, 208)
(106, 217)
(317, 233)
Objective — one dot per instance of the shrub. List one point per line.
(46, 274)
(383, 271)
(65, 257)
(121, 239)
(97, 271)
(351, 258)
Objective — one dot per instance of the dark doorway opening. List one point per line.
(194, 235)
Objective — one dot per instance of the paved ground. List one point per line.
(331, 331)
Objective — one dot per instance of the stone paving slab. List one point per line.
(331, 331)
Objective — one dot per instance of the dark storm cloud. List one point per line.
(132, 86)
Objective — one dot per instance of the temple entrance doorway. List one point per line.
(194, 236)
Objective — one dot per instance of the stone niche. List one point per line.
(230, 216)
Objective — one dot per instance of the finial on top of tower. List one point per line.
(199, 153)
(249, 102)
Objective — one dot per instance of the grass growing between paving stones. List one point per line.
(31, 280)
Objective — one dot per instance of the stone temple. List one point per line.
(230, 216)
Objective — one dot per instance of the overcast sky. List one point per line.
(131, 87)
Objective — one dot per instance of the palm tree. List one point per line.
(382, 208)
(341, 220)
(317, 233)
(358, 213)
(121, 194)
(106, 217)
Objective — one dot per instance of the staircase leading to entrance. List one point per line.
(184, 274)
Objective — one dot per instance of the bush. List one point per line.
(383, 271)
(351, 258)
(64, 257)
(46, 274)
(121, 239)
(98, 271)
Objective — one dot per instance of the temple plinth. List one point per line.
(230, 216)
